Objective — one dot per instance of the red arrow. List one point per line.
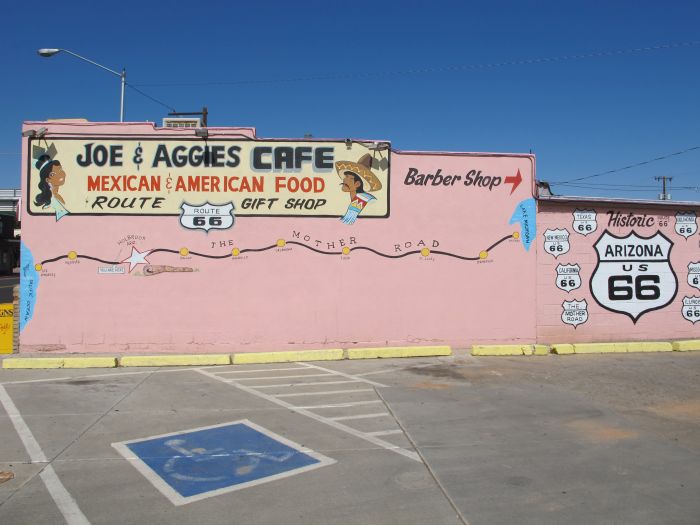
(515, 181)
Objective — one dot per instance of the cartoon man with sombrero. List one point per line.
(358, 179)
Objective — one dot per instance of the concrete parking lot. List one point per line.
(587, 439)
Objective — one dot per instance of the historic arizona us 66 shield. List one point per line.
(634, 274)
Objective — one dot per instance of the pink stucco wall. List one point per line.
(291, 296)
(658, 320)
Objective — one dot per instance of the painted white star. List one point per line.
(136, 258)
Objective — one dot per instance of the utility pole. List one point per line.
(663, 196)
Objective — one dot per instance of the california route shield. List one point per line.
(568, 277)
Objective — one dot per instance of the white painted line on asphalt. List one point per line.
(261, 370)
(386, 432)
(338, 426)
(34, 381)
(325, 392)
(36, 455)
(342, 405)
(360, 416)
(89, 376)
(279, 377)
(286, 385)
(377, 372)
(64, 501)
(349, 376)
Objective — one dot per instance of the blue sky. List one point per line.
(580, 116)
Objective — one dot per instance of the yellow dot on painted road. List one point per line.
(346, 250)
(184, 252)
(235, 252)
(72, 255)
(516, 235)
(37, 267)
(281, 243)
(483, 254)
(425, 252)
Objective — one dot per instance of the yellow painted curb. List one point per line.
(650, 346)
(398, 351)
(686, 346)
(540, 350)
(599, 348)
(175, 360)
(501, 349)
(60, 362)
(33, 362)
(287, 357)
(562, 349)
(605, 348)
(89, 362)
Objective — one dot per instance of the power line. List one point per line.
(150, 97)
(614, 189)
(616, 170)
(419, 71)
(603, 186)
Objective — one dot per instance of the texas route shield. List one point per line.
(634, 274)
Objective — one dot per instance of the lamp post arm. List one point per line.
(121, 75)
(92, 62)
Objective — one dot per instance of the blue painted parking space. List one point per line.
(194, 464)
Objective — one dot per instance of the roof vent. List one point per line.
(173, 122)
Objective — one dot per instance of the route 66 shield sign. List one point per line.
(686, 224)
(691, 309)
(556, 242)
(694, 274)
(568, 277)
(575, 312)
(585, 221)
(207, 216)
(633, 275)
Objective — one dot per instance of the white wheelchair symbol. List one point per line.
(200, 464)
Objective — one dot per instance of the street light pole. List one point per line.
(121, 103)
(51, 52)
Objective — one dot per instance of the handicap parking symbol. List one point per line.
(198, 463)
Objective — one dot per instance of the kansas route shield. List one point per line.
(634, 274)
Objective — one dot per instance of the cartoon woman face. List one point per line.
(57, 177)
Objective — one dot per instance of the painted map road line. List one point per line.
(281, 243)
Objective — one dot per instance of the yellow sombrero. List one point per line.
(362, 169)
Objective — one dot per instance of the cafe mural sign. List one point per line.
(69, 176)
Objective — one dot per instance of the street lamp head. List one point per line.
(48, 52)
